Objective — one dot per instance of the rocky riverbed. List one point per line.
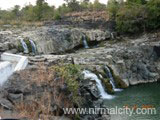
(131, 61)
(134, 60)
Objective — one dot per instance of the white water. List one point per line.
(112, 35)
(111, 79)
(85, 42)
(33, 46)
(24, 45)
(92, 76)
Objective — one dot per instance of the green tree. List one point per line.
(131, 18)
(153, 18)
(73, 5)
(84, 5)
(16, 11)
(98, 6)
(113, 7)
(137, 1)
(28, 13)
(39, 9)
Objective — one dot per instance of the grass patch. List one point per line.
(53, 86)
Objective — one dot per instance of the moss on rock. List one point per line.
(105, 81)
(28, 43)
(19, 47)
(71, 75)
(118, 81)
(108, 86)
(26, 40)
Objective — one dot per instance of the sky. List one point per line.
(7, 4)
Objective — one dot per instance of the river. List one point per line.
(140, 96)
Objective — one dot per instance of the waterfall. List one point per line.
(112, 36)
(92, 76)
(85, 44)
(24, 45)
(111, 78)
(33, 46)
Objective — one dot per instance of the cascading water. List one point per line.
(24, 45)
(111, 78)
(85, 44)
(34, 50)
(92, 76)
(112, 35)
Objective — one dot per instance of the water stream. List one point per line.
(108, 72)
(34, 50)
(139, 96)
(24, 45)
(85, 44)
(92, 76)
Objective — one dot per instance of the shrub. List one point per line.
(130, 18)
(153, 7)
(135, 15)
(57, 16)
(28, 43)
(55, 86)
(112, 8)
(97, 6)
(71, 74)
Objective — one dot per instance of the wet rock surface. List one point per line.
(21, 88)
(133, 61)
(52, 39)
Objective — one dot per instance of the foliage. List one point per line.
(57, 16)
(108, 85)
(135, 16)
(137, 1)
(153, 7)
(73, 5)
(42, 11)
(16, 12)
(98, 6)
(57, 85)
(113, 7)
(71, 74)
(28, 43)
(130, 19)
(62, 10)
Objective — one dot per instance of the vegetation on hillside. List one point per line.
(51, 89)
(135, 16)
(131, 16)
(42, 11)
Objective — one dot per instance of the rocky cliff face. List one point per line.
(59, 39)
(7, 41)
(34, 92)
(135, 61)
(132, 62)
(51, 39)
